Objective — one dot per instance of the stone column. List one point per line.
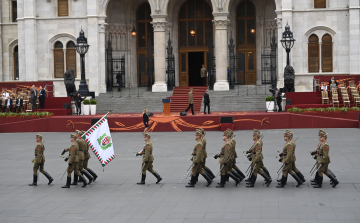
(221, 24)
(159, 24)
(320, 57)
(1, 51)
(30, 46)
(21, 40)
(102, 62)
(354, 36)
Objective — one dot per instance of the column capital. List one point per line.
(221, 23)
(159, 26)
(103, 27)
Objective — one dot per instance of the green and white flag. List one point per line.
(99, 140)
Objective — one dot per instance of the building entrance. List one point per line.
(196, 60)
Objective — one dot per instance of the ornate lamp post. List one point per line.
(287, 42)
(82, 48)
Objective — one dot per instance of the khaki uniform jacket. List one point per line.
(203, 139)
(73, 152)
(39, 153)
(203, 72)
(293, 157)
(323, 153)
(191, 100)
(257, 152)
(86, 152)
(225, 152)
(82, 147)
(288, 152)
(199, 152)
(233, 141)
(147, 152)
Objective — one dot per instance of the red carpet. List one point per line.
(180, 98)
(160, 123)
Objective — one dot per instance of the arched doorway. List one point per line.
(16, 63)
(246, 42)
(194, 15)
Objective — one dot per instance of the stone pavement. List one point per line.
(115, 197)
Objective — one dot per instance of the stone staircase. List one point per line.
(135, 100)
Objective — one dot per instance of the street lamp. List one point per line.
(133, 32)
(287, 42)
(82, 48)
(192, 32)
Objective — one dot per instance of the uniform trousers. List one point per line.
(148, 166)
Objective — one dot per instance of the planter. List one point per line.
(93, 109)
(86, 110)
(270, 106)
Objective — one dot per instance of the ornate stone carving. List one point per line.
(279, 22)
(221, 24)
(157, 9)
(159, 26)
(220, 5)
(103, 26)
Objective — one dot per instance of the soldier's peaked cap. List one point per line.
(202, 131)
(147, 135)
(38, 136)
(73, 136)
(199, 132)
(322, 133)
(256, 133)
(288, 133)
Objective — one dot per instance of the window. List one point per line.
(326, 53)
(319, 4)
(58, 60)
(63, 8)
(246, 23)
(16, 63)
(71, 56)
(313, 53)
(144, 27)
(14, 11)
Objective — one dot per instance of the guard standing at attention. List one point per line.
(86, 161)
(147, 160)
(287, 158)
(73, 161)
(39, 161)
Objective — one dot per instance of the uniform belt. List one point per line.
(150, 153)
(81, 150)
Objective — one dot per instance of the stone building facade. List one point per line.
(39, 43)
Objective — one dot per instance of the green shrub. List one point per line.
(86, 102)
(93, 102)
(270, 98)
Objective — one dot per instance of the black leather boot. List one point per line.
(83, 181)
(207, 178)
(282, 182)
(68, 181)
(267, 179)
(227, 177)
(334, 180)
(49, 178)
(143, 176)
(75, 182)
(157, 177)
(252, 181)
(248, 179)
(315, 180)
(88, 175)
(267, 172)
(235, 178)
(34, 183)
(295, 176)
(238, 176)
(210, 173)
(93, 174)
(240, 173)
(192, 181)
(319, 183)
(299, 174)
(222, 181)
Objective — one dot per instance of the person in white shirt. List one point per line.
(323, 87)
(5, 95)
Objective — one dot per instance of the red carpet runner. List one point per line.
(180, 99)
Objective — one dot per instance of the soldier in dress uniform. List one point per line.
(207, 170)
(73, 161)
(86, 161)
(323, 160)
(82, 147)
(39, 161)
(287, 158)
(198, 159)
(257, 161)
(147, 160)
(234, 169)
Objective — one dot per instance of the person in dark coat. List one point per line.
(332, 79)
(206, 102)
(19, 103)
(279, 100)
(33, 96)
(118, 80)
(78, 100)
(42, 95)
(145, 120)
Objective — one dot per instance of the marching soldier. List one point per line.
(234, 168)
(39, 161)
(198, 160)
(323, 160)
(257, 161)
(73, 161)
(82, 147)
(147, 160)
(288, 159)
(86, 160)
(207, 170)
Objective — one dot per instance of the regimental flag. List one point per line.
(98, 138)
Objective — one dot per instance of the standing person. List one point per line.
(39, 161)
(42, 94)
(86, 160)
(198, 159)
(147, 160)
(206, 102)
(145, 121)
(203, 74)
(191, 102)
(82, 147)
(73, 161)
(228, 73)
(118, 80)
(78, 100)
(331, 80)
(279, 100)
(287, 158)
(33, 97)
(19, 103)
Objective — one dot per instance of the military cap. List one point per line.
(199, 132)
(38, 136)
(82, 132)
(230, 132)
(147, 135)
(227, 133)
(288, 133)
(73, 136)
(202, 131)
(257, 133)
(322, 133)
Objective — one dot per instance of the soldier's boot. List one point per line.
(192, 181)
(88, 175)
(49, 178)
(238, 176)
(267, 172)
(210, 173)
(227, 177)
(34, 183)
(248, 179)
(240, 173)
(207, 178)
(295, 176)
(331, 182)
(222, 181)
(83, 180)
(157, 177)
(75, 182)
(282, 182)
(252, 181)
(315, 180)
(302, 178)
(235, 178)
(197, 177)
(267, 179)
(143, 176)
(319, 183)
(334, 180)
(68, 181)
(93, 174)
